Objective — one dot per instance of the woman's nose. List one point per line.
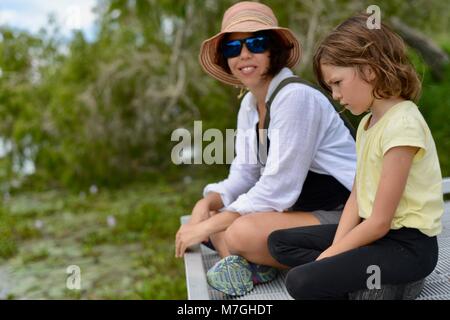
(245, 53)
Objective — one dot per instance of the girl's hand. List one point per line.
(188, 235)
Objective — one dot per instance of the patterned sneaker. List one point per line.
(262, 274)
(235, 276)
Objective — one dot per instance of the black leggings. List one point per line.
(403, 256)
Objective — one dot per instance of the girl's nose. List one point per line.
(336, 95)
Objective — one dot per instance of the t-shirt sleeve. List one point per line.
(406, 130)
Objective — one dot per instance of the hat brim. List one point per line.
(209, 50)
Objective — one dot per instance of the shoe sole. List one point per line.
(236, 280)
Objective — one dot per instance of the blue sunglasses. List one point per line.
(255, 44)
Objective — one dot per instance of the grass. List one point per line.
(122, 241)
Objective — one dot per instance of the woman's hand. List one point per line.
(184, 238)
(188, 235)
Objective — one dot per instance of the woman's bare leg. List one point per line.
(248, 235)
(218, 240)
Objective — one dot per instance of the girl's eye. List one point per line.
(337, 82)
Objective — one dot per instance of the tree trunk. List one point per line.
(433, 56)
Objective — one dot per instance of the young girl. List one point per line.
(392, 216)
(309, 170)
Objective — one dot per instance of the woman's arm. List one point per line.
(214, 201)
(397, 162)
(195, 233)
(350, 217)
(211, 202)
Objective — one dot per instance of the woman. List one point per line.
(308, 173)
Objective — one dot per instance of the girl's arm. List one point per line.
(396, 165)
(350, 217)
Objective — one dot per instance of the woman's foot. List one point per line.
(235, 276)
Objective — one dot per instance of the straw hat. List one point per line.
(245, 16)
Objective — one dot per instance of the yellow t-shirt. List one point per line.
(422, 204)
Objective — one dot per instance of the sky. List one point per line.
(31, 15)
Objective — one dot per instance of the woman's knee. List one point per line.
(239, 235)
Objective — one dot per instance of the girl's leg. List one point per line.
(394, 259)
(297, 246)
(247, 236)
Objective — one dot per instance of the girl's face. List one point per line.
(348, 88)
(249, 67)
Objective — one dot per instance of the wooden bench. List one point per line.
(200, 258)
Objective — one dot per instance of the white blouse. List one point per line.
(305, 133)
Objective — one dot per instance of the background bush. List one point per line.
(100, 113)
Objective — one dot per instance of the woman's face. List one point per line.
(348, 87)
(249, 67)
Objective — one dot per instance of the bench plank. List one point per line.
(196, 283)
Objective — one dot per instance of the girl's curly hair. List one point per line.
(353, 44)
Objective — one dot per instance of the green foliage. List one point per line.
(102, 112)
(435, 105)
(130, 259)
(8, 245)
